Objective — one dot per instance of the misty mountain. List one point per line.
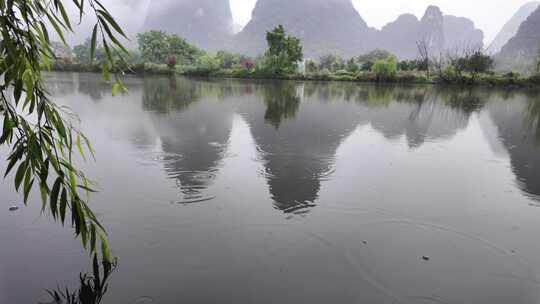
(130, 22)
(523, 47)
(325, 26)
(441, 32)
(336, 27)
(460, 32)
(396, 36)
(431, 28)
(511, 28)
(206, 23)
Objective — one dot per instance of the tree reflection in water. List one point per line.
(92, 287)
(281, 102)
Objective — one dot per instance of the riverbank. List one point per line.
(493, 79)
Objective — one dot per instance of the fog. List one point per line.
(488, 15)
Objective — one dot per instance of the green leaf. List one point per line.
(54, 196)
(93, 43)
(111, 35)
(79, 146)
(86, 188)
(44, 191)
(81, 10)
(63, 205)
(112, 22)
(105, 72)
(116, 88)
(12, 162)
(108, 51)
(72, 181)
(92, 238)
(20, 174)
(6, 130)
(28, 80)
(56, 27)
(17, 90)
(89, 145)
(64, 15)
(105, 250)
(27, 188)
(84, 235)
(45, 32)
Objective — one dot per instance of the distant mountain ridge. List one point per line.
(511, 28)
(441, 32)
(324, 26)
(522, 49)
(206, 23)
(345, 33)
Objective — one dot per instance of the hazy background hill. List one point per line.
(511, 28)
(206, 23)
(442, 32)
(335, 26)
(325, 26)
(522, 49)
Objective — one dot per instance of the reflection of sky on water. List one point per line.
(299, 192)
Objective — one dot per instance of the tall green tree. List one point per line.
(42, 141)
(158, 46)
(153, 46)
(183, 50)
(284, 51)
(352, 66)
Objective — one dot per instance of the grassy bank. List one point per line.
(410, 77)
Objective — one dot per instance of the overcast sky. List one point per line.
(488, 15)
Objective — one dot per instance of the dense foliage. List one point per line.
(43, 142)
(158, 47)
(385, 69)
(284, 51)
(164, 53)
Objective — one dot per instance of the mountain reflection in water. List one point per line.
(282, 191)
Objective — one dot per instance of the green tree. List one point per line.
(374, 55)
(367, 61)
(332, 63)
(405, 65)
(158, 46)
(42, 141)
(227, 60)
(385, 69)
(311, 67)
(184, 52)
(478, 62)
(207, 64)
(153, 46)
(82, 52)
(338, 64)
(282, 102)
(284, 51)
(352, 66)
(366, 66)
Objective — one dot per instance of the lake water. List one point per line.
(231, 191)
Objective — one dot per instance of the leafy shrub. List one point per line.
(385, 69)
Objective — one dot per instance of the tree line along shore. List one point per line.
(159, 53)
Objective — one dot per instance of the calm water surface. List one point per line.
(292, 192)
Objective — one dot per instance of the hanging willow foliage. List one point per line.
(41, 140)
